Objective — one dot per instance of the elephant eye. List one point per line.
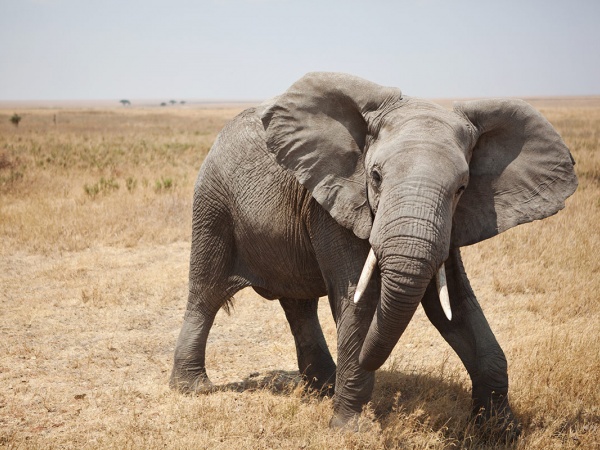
(376, 177)
(460, 190)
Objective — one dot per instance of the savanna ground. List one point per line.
(95, 224)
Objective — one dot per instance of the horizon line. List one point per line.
(159, 103)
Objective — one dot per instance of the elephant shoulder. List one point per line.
(240, 160)
(242, 135)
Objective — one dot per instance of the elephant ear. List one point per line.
(520, 170)
(318, 129)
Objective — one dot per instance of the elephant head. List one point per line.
(414, 178)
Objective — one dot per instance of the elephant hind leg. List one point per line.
(189, 365)
(314, 360)
(212, 284)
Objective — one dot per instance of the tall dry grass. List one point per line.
(94, 244)
(115, 177)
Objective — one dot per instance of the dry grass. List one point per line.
(94, 278)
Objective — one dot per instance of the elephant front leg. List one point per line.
(354, 385)
(341, 258)
(314, 360)
(469, 334)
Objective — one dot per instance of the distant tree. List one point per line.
(125, 102)
(15, 119)
(172, 102)
(182, 102)
(163, 104)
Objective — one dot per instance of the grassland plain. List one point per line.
(95, 224)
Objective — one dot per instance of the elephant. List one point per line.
(298, 192)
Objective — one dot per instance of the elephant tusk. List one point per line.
(365, 275)
(442, 288)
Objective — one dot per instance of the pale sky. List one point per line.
(254, 49)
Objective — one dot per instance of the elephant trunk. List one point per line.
(400, 296)
(370, 266)
(410, 249)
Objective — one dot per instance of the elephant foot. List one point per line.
(191, 384)
(497, 424)
(353, 422)
(344, 422)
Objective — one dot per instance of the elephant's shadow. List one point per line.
(421, 394)
(278, 382)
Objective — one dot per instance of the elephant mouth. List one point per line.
(440, 281)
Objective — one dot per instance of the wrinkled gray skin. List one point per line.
(294, 192)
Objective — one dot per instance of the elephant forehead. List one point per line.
(423, 123)
(409, 152)
(438, 128)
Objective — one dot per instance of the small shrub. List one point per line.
(104, 186)
(108, 184)
(163, 184)
(130, 184)
(15, 119)
(92, 190)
